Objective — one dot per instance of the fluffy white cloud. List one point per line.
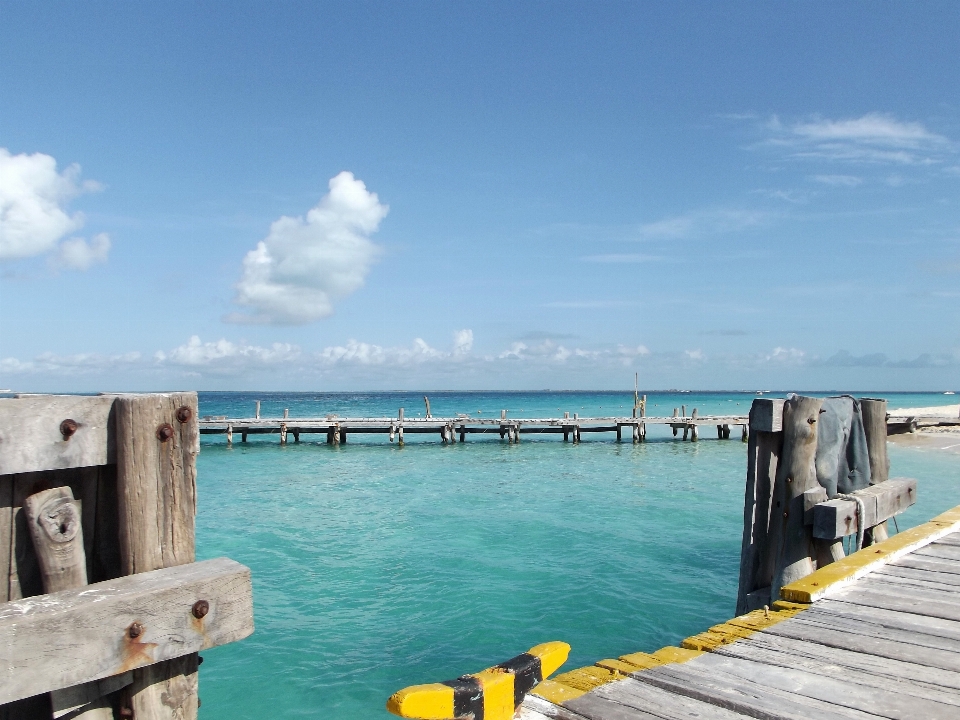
(223, 352)
(33, 214)
(80, 364)
(361, 353)
(305, 264)
(462, 342)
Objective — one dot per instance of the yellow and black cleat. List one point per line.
(491, 694)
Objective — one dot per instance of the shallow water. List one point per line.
(376, 567)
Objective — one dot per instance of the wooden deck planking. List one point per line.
(884, 646)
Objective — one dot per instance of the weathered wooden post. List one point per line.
(400, 428)
(756, 554)
(874, 413)
(258, 410)
(229, 434)
(426, 401)
(53, 517)
(157, 446)
(283, 433)
(796, 473)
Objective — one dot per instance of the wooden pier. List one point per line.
(875, 635)
(453, 429)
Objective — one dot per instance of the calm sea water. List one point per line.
(376, 567)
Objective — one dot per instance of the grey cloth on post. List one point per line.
(843, 460)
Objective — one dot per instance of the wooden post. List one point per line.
(503, 414)
(393, 430)
(229, 434)
(683, 409)
(463, 433)
(757, 550)
(343, 435)
(426, 401)
(686, 430)
(283, 433)
(618, 432)
(693, 432)
(258, 410)
(745, 434)
(286, 413)
(243, 435)
(296, 436)
(157, 440)
(53, 517)
(796, 474)
(674, 427)
(400, 428)
(516, 433)
(874, 413)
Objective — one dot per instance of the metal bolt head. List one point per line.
(165, 432)
(135, 630)
(200, 609)
(184, 414)
(68, 427)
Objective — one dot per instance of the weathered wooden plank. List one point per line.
(766, 415)
(838, 518)
(6, 534)
(920, 678)
(31, 437)
(866, 615)
(912, 589)
(157, 442)
(75, 636)
(836, 691)
(884, 683)
(630, 698)
(796, 473)
(745, 696)
(917, 635)
(940, 550)
(548, 709)
(756, 557)
(933, 564)
(951, 539)
(940, 580)
(894, 648)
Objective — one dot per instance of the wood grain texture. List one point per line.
(745, 696)
(548, 709)
(633, 699)
(839, 692)
(54, 519)
(6, 534)
(30, 437)
(920, 678)
(838, 518)
(933, 564)
(867, 615)
(157, 501)
(75, 636)
(796, 474)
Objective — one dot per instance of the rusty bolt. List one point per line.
(200, 609)
(135, 630)
(126, 712)
(184, 414)
(165, 432)
(67, 428)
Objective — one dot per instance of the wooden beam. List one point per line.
(766, 414)
(53, 432)
(838, 518)
(75, 636)
(157, 445)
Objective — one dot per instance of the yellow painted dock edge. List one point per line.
(795, 598)
(842, 573)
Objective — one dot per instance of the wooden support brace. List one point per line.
(76, 636)
(834, 519)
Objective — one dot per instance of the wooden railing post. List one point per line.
(157, 444)
(874, 414)
(796, 474)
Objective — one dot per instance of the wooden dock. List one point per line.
(875, 635)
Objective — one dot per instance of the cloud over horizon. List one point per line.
(34, 216)
(296, 274)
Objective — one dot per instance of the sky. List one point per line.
(433, 195)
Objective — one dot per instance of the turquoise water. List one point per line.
(376, 567)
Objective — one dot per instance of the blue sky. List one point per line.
(324, 196)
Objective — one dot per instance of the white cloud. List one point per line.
(304, 265)
(79, 364)
(874, 138)
(702, 223)
(838, 180)
(785, 355)
(33, 214)
(361, 353)
(77, 254)
(223, 352)
(695, 354)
